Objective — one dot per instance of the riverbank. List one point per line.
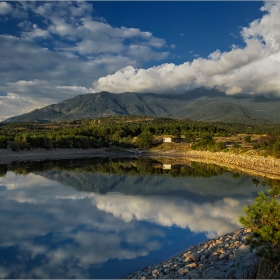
(255, 165)
(225, 257)
(250, 164)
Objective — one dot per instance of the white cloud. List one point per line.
(15, 12)
(5, 8)
(252, 69)
(59, 55)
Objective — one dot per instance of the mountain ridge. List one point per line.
(200, 104)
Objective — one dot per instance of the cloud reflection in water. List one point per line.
(63, 232)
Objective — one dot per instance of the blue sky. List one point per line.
(52, 51)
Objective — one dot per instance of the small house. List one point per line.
(166, 166)
(167, 140)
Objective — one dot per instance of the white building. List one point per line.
(166, 166)
(167, 140)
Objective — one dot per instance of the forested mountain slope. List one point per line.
(199, 104)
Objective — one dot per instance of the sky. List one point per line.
(52, 51)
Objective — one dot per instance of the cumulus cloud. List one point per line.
(15, 12)
(252, 69)
(5, 8)
(60, 48)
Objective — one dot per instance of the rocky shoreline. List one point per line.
(255, 165)
(225, 257)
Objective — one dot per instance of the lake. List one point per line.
(106, 218)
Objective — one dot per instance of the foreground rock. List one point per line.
(226, 257)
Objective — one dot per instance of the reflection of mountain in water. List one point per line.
(199, 181)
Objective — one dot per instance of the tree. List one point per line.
(145, 140)
(263, 218)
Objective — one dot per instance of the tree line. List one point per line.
(123, 130)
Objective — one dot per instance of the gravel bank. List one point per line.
(256, 165)
(226, 257)
(250, 164)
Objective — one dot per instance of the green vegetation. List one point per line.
(208, 145)
(213, 106)
(248, 139)
(236, 146)
(137, 132)
(145, 140)
(263, 218)
(271, 143)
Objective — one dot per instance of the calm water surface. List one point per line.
(105, 218)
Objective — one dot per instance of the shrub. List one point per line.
(145, 140)
(236, 145)
(263, 218)
(256, 146)
(15, 146)
(247, 139)
(208, 145)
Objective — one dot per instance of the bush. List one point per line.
(208, 145)
(15, 146)
(263, 218)
(256, 146)
(145, 140)
(247, 139)
(236, 145)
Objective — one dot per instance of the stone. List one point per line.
(191, 265)
(230, 274)
(188, 259)
(155, 273)
(202, 257)
(195, 257)
(167, 270)
(183, 271)
(222, 256)
(194, 275)
(242, 251)
(212, 273)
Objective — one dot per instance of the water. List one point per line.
(106, 218)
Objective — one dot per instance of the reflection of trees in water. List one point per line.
(127, 166)
(3, 170)
(140, 166)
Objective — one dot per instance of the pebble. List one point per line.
(226, 257)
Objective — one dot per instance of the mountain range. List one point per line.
(199, 104)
